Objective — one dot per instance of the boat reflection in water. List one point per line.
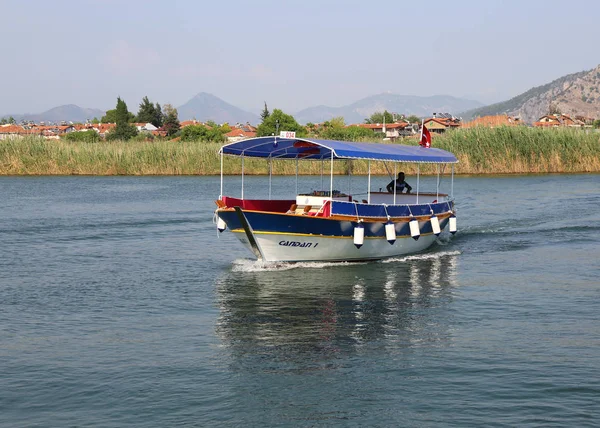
(296, 317)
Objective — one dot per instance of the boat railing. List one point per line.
(383, 211)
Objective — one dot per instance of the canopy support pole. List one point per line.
(331, 178)
(437, 185)
(418, 176)
(395, 182)
(369, 183)
(242, 175)
(349, 166)
(270, 174)
(221, 194)
(452, 184)
(322, 162)
(296, 176)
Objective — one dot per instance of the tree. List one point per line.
(95, 120)
(149, 113)
(124, 130)
(171, 121)
(265, 113)
(596, 124)
(378, 117)
(111, 117)
(159, 117)
(337, 122)
(10, 121)
(413, 119)
(203, 133)
(286, 122)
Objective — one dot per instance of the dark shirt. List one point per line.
(400, 186)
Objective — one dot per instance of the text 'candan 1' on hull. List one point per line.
(328, 225)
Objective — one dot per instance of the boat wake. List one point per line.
(428, 256)
(247, 265)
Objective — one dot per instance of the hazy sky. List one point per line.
(292, 54)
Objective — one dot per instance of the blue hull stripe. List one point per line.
(294, 224)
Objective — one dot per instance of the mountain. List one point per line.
(573, 94)
(69, 112)
(205, 107)
(358, 111)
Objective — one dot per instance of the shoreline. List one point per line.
(480, 151)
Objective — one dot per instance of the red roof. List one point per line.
(396, 125)
(237, 132)
(491, 121)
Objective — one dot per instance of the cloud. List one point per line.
(256, 73)
(123, 58)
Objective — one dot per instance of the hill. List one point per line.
(69, 112)
(358, 111)
(206, 106)
(573, 94)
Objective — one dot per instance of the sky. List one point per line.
(291, 54)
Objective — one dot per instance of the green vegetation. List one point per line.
(123, 130)
(171, 122)
(278, 121)
(8, 121)
(336, 129)
(503, 150)
(89, 136)
(378, 117)
(205, 133)
(150, 113)
(264, 114)
(111, 117)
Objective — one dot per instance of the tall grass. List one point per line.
(501, 150)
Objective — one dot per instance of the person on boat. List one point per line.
(400, 185)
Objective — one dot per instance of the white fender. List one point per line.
(435, 225)
(452, 224)
(414, 229)
(359, 235)
(221, 225)
(390, 232)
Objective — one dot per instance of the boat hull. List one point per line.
(282, 238)
(294, 248)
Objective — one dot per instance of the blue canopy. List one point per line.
(303, 148)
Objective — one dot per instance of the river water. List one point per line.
(120, 306)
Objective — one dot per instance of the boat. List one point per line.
(331, 225)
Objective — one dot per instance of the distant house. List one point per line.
(103, 128)
(241, 132)
(11, 131)
(558, 120)
(391, 130)
(189, 122)
(46, 131)
(587, 121)
(441, 122)
(145, 127)
(494, 121)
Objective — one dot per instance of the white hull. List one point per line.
(294, 248)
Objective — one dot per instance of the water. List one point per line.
(119, 305)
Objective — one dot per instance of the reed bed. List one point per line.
(503, 150)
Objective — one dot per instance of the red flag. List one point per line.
(425, 137)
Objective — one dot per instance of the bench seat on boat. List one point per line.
(277, 205)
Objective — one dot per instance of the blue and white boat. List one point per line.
(328, 225)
